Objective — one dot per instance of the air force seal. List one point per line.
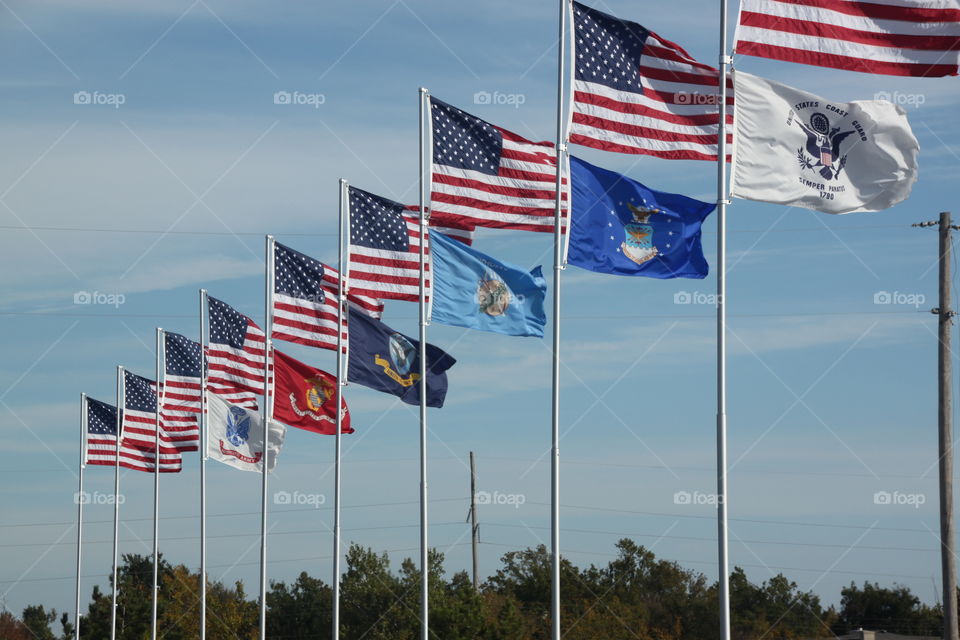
(638, 235)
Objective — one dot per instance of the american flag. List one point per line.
(102, 443)
(486, 176)
(101, 433)
(305, 300)
(384, 255)
(235, 356)
(635, 92)
(892, 37)
(180, 391)
(140, 414)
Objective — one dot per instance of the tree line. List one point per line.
(634, 597)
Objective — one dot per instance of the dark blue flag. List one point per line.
(388, 361)
(623, 228)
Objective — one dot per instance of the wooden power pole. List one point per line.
(474, 527)
(945, 313)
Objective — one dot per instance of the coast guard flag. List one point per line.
(621, 227)
(235, 436)
(388, 361)
(473, 290)
(798, 149)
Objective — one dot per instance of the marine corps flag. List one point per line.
(388, 361)
(796, 148)
(306, 397)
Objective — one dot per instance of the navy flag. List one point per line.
(621, 227)
(388, 361)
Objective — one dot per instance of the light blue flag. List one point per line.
(471, 289)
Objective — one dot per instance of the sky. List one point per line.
(167, 178)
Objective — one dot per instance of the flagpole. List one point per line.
(156, 485)
(268, 329)
(121, 400)
(341, 305)
(82, 466)
(203, 471)
(555, 402)
(722, 524)
(424, 553)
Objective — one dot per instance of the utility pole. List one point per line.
(472, 518)
(945, 314)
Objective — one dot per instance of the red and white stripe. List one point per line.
(180, 407)
(234, 371)
(891, 37)
(464, 235)
(134, 456)
(314, 324)
(676, 117)
(380, 273)
(230, 393)
(522, 195)
(102, 451)
(139, 431)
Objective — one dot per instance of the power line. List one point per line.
(233, 514)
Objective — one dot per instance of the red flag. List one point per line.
(304, 397)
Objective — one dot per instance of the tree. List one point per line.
(302, 610)
(895, 610)
(37, 622)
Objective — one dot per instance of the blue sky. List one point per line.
(832, 391)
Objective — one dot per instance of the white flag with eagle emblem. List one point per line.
(796, 148)
(235, 436)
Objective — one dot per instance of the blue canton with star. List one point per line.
(298, 275)
(101, 418)
(464, 141)
(137, 394)
(227, 325)
(608, 49)
(181, 355)
(377, 223)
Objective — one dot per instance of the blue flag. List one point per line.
(388, 361)
(623, 228)
(471, 289)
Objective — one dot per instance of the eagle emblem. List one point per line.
(238, 426)
(822, 150)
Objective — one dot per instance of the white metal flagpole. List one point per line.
(121, 401)
(722, 497)
(80, 499)
(268, 353)
(557, 268)
(424, 551)
(203, 468)
(156, 485)
(341, 309)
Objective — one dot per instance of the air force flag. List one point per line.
(386, 360)
(235, 436)
(471, 289)
(621, 227)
